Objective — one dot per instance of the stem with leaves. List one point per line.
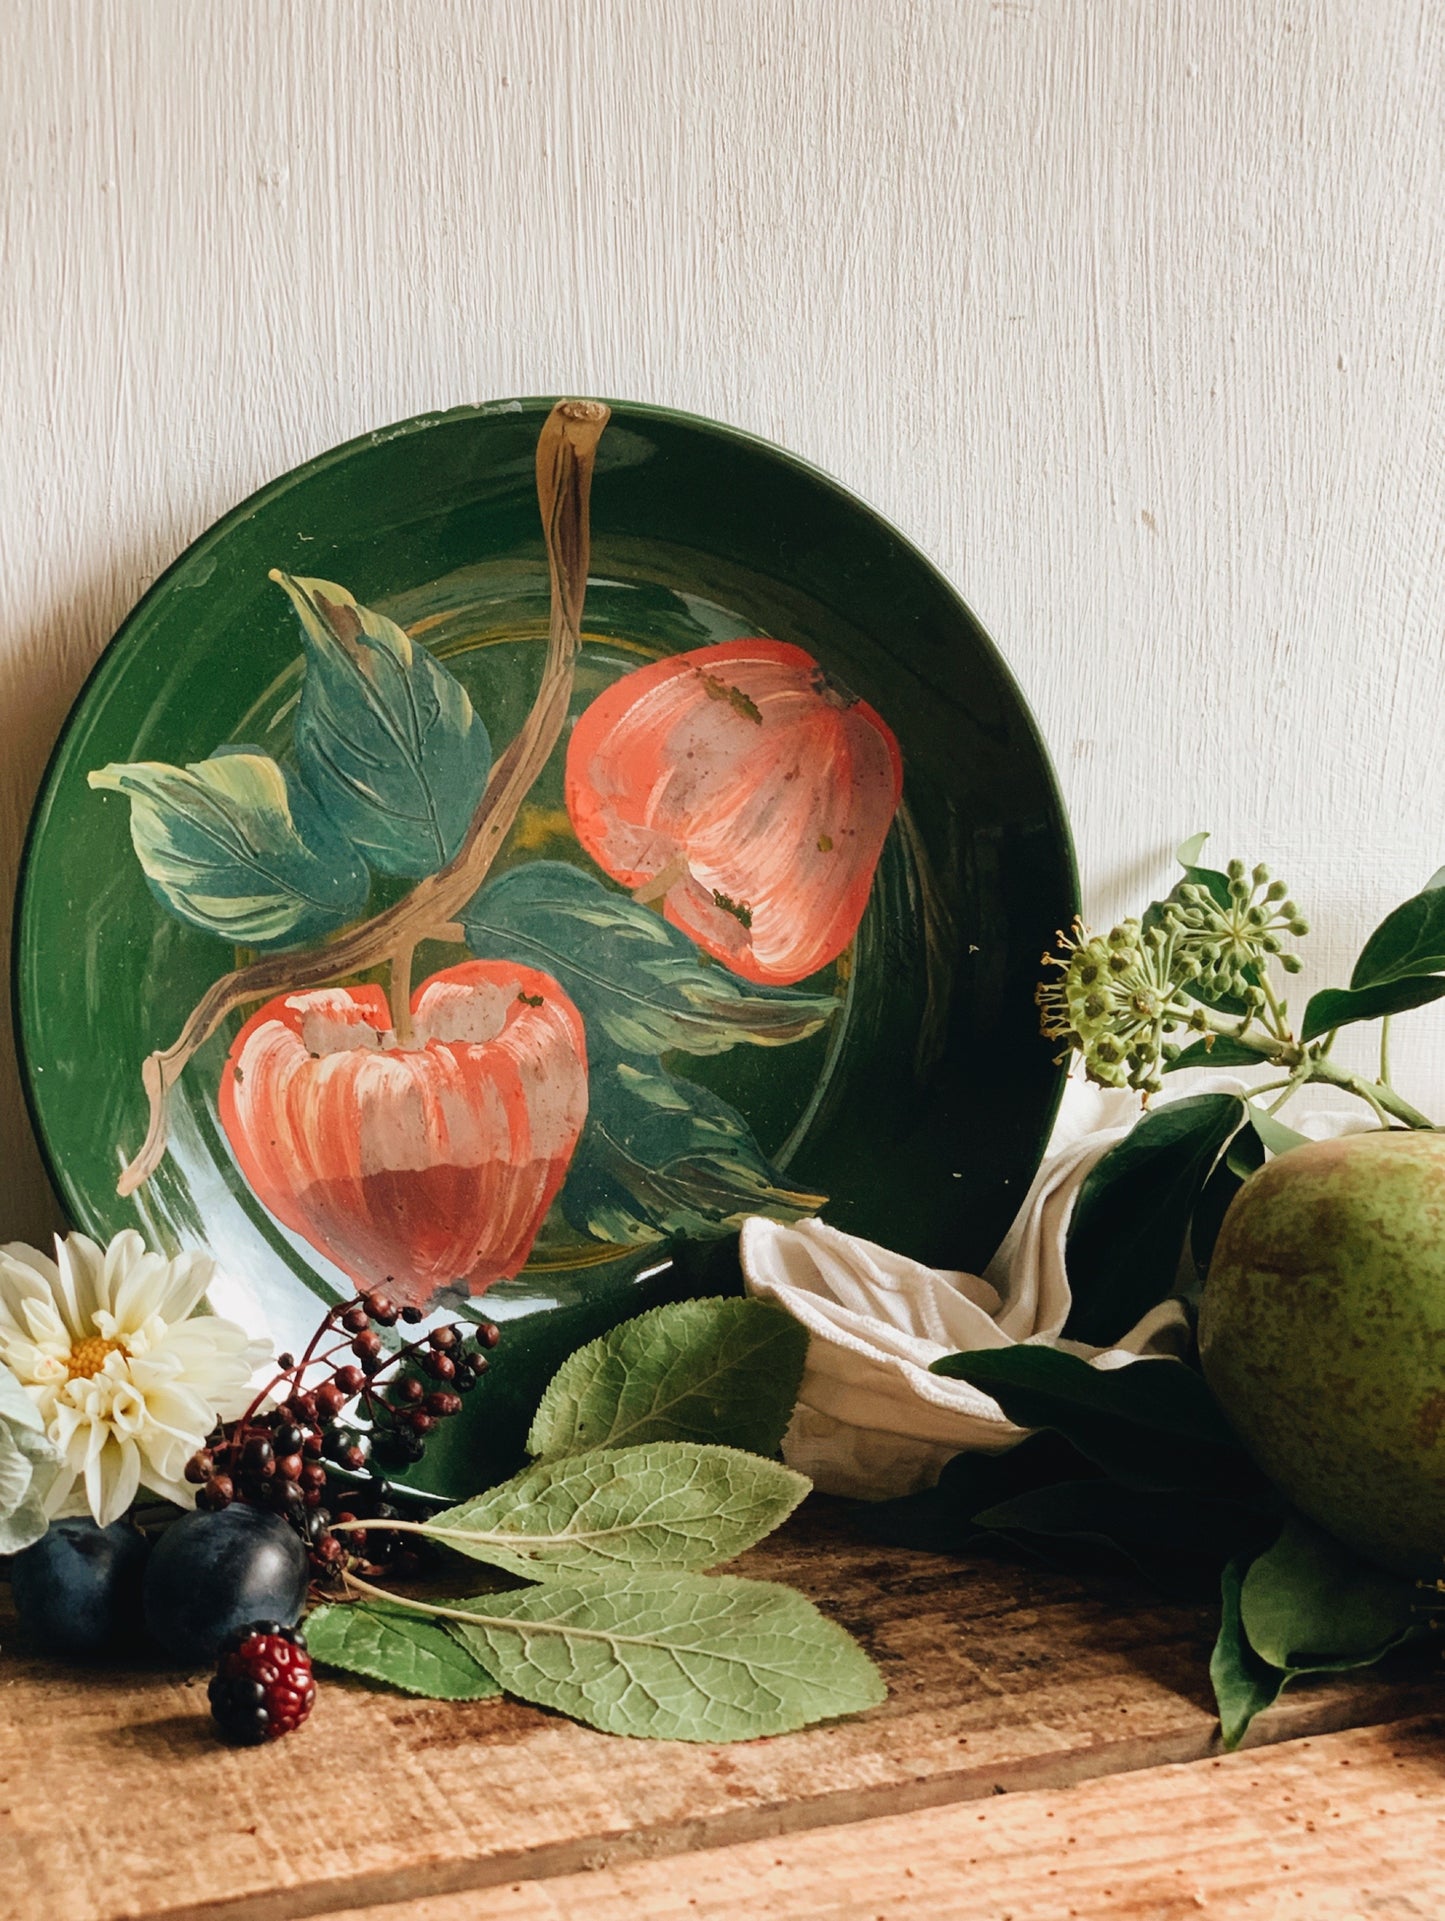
(566, 453)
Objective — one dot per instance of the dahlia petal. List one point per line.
(83, 1289)
(119, 1477)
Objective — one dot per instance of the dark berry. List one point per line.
(488, 1334)
(200, 1467)
(313, 1445)
(211, 1573)
(329, 1401)
(382, 1310)
(422, 1422)
(263, 1686)
(327, 1551)
(289, 1467)
(356, 1320)
(441, 1367)
(409, 1389)
(313, 1475)
(443, 1405)
(443, 1337)
(218, 1492)
(366, 1344)
(289, 1438)
(258, 1457)
(78, 1588)
(411, 1315)
(350, 1380)
(401, 1448)
(465, 1378)
(285, 1362)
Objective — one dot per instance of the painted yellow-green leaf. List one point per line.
(234, 846)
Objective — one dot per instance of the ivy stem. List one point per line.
(1385, 1101)
(1385, 1050)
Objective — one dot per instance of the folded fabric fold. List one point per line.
(871, 1421)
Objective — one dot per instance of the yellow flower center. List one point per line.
(89, 1356)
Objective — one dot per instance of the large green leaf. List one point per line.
(387, 738)
(940, 1519)
(1215, 1050)
(1244, 1685)
(1133, 1213)
(663, 1505)
(677, 1657)
(1309, 1603)
(1408, 942)
(720, 1371)
(634, 977)
(1342, 1006)
(662, 1157)
(232, 846)
(1177, 1541)
(1148, 1424)
(405, 1650)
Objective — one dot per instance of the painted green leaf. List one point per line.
(1133, 1213)
(1244, 1685)
(406, 1650)
(1150, 1423)
(1407, 942)
(671, 1505)
(234, 846)
(632, 975)
(674, 1657)
(387, 738)
(1342, 1006)
(662, 1157)
(1309, 1603)
(719, 1371)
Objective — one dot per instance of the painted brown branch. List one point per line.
(566, 451)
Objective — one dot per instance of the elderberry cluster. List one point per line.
(315, 1444)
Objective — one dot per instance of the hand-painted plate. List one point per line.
(553, 936)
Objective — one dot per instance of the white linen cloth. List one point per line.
(871, 1421)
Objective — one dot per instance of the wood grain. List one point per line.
(116, 1801)
(1335, 1829)
(1171, 276)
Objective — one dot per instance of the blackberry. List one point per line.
(263, 1686)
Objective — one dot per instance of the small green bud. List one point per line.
(1290, 963)
(1257, 917)
(1299, 928)
(1235, 870)
(1260, 875)
(1270, 943)
(1289, 910)
(1277, 890)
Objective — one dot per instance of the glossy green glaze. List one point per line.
(920, 1111)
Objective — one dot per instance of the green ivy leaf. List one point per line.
(1310, 1605)
(676, 1657)
(661, 1157)
(1244, 1685)
(718, 1371)
(1133, 1212)
(1215, 1050)
(232, 846)
(633, 976)
(663, 1505)
(1408, 942)
(1149, 1424)
(1271, 1134)
(1175, 1541)
(406, 1650)
(387, 738)
(1342, 1006)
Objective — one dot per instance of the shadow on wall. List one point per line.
(42, 667)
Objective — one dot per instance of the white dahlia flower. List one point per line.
(127, 1383)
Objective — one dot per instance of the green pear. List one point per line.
(1322, 1335)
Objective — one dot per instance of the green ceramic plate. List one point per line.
(758, 931)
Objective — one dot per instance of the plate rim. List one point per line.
(114, 650)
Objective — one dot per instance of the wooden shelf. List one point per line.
(1005, 1680)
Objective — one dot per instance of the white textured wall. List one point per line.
(1129, 311)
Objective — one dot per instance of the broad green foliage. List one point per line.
(1133, 1213)
(664, 1505)
(234, 846)
(636, 979)
(1342, 1007)
(716, 1371)
(406, 1650)
(387, 738)
(678, 1657)
(1407, 943)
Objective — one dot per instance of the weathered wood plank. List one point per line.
(115, 1801)
(1336, 1828)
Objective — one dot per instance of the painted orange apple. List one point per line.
(747, 791)
(417, 1165)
